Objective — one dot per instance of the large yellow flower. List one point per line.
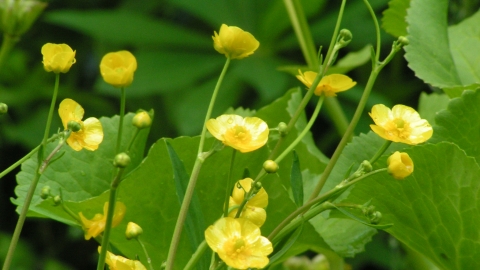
(90, 134)
(120, 263)
(117, 68)
(329, 85)
(244, 134)
(57, 57)
(401, 124)
(96, 225)
(254, 208)
(234, 42)
(400, 165)
(238, 243)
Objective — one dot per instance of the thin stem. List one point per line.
(27, 156)
(132, 140)
(146, 253)
(7, 45)
(120, 124)
(380, 152)
(108, 224)
(33, 185)
(172, 251)
(212, 103)
(320, 199)
(229, 185)
(196, 256)
(377, 29)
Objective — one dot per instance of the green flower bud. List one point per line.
(142, 120)
(133, 230)
(74, 126)
(366, 166)
(270, 166)
(258, 186)
(3, 108)
(403, 40)
(17, 16)
(121, 160)
(345, 36)
(282, 129)
(376, 217)
(45, 193)
(57, 200)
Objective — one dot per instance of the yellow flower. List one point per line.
(400, 165)
(401, 124)
(90, 134)
(329, 85)
(120, 263)
(254, 208)
(238, 243)
(117, 68)
(244, 134)
(96, 225)
(234, 42)
(57, 57)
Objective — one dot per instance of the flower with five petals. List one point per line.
(93, 227)
(57, 57)
(254, 208)
(234, 43)
(117, 68)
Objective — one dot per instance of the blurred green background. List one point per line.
(177, 70)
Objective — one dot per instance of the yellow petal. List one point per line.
(400, 165)
(70, 110)
(57, 57)
(334, 83)
(93, 133)
(117, 68)
(234, 42)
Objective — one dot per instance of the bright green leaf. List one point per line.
(430, 104)
(393, 20)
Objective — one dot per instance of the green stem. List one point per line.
(226, 210)
(380, 152)
(320, 199)
(172, 251)
(7, 45)
(377, 30)
(196, 256)
(108, 224)
(146, 254)
(33, 185)
(132, 140)
(27, 156)
(120, 124)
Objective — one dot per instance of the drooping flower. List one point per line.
(90, 134)
(254, 208)
(57, 57)
(96, 225)
(401, 124)
(244, 134)
(329, 85)
(117, 68)
(234, 43)
(239, 243)
(400, 165)
(120, 263)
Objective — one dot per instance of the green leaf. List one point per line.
(351, 61)
(430, 104)
(460, 124)
(296, 181)
(393, 20)
(81, 175)
(440, 55)
(435, 210)
(194, 222)
(291, 240)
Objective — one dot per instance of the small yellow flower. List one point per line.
(244, 134)
(329, 85)
(239, 243)
(96, 225)
(400, 165)
(133, 230)
(254, 208)
(234, 42)
(401, 124)
(57, 57)
(120, 263)
(117, 68)
(90, 134)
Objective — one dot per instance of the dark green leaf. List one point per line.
(296, 181)
(291, 240)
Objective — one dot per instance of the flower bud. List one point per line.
(57, 58)
(133, 230)
(400, 165)
(117, 68)
(45, 193)
(403, 40)
(74, 126)
(366, 166)
(282, 129)
(57, 200)
(375, 217)
(270, 166)
(3, 108)
(142, 120)
(344, 37)
(258, 186)
(121, 160)
(16, 17)
(234, 43)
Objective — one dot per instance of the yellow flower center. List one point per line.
(119, 70)
(235, 249)
(238, 134)
(398, 128)
(399, 122)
